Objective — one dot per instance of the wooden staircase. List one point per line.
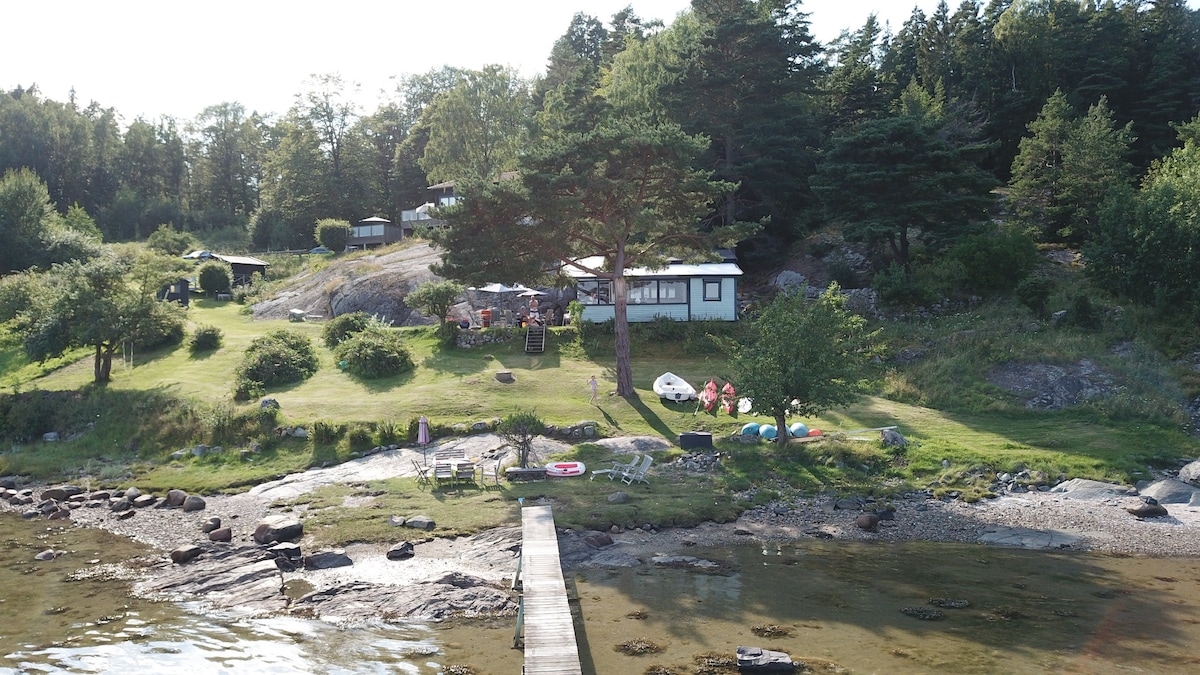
(535, 339)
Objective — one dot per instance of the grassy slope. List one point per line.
(941, 401)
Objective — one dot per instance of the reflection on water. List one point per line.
(1029, 612)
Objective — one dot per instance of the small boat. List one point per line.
(565, 469)
(708, 398)
(673, 387)
(759, 660)
(728, 398)
(745, 405)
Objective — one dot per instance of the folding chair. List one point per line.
(422, 474)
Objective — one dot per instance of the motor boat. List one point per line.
(759, 660)
(671, 386)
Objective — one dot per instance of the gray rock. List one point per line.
(194, 503)
(176, 497)
(396, 521)
(144, 501)
(120, 505)
(50, 437)
(787, 279)
(402, 551)
(892, 439)
(867, 521)
(286, 549)
(323, 560)
(224, 534)
(8, 483)
(597, 539)
(185, 554)
(299, 432)
(274, 529)
(57, 494)
(618, 498)
(31, 514)
(200, 450)
(1082, 488)
(420, 523)
(132, 493)
(48, 554)
(179, 454)
(1190, 473)
(848, 505)
(210, 525)
(682, 561)
(612, 559)
(269, 403)
(126, 515)
(1148, 510)
(1171, 491)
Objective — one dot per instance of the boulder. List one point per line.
(1148, 510)
(120, 505)
(618, 498)
(57, 494)
(597, 539)
(210, 525)
(1170, 491)
(274, 529)
(867, 521)
(175, 497)
(1082, 488)
(8, 483)
(287, 549)
(396, 521)
(132, 493)
(185, 554)
(323, 560)
(48, 554)
(402, 551)
(194, 503)
(126, 515)
(223, 534)
(892, 439)
(420, 523)
(1191, 472)
(144, 501)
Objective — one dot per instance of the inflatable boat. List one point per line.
(565, 469)
(671, 386)
(759, 660)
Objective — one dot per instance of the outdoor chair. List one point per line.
(464, 471)
(618, 468)
(638, 474)
(443, 471)
(422, 473)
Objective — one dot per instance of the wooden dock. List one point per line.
(550, 645)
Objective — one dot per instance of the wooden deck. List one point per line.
(550, 645)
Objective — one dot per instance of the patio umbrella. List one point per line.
(495, 288)
(529, 293)
(423, 431)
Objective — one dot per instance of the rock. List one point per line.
(194, 503)
(615, 529)
(892, 439)
(224, 534)
(1190, 473)
(420, 523)
(396, 521)
(144, 501)
(132, 493)
(787, 279)
(200, 450)
(323, 560)
(31, 514)
(185, 554)
(274, 529)
(57, 494)
(682, 561)
(210, 525)
(269, 403)
(299, 432)
(402, 551)
(867, 521)
(1082, 488)
(48, 554)
(618, 498)
(126, 514)
(179, 454)
(612, 559)
(59, 514)
(1148, 511)
(505, 376)
(286, 549)
(1170, 491)
(848, 505)
(8, 483)
(887, 513)
(50, 437)
(175, 497)
(597, 539)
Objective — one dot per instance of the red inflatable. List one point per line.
(814, 432)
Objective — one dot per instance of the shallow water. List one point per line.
(1029, 612)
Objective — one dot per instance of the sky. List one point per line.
(150, 58)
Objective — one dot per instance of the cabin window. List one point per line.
(672, 292)
(595, 292)
(366, 231)
(712, 290)
(643, 293)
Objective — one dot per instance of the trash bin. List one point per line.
(485, 318)
(695, 439)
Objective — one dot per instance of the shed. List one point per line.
(680, 291)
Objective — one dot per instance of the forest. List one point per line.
(1072, 122)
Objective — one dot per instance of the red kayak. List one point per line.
(708, 397)
(728, 398)
(565, 469)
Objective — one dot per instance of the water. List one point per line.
(1029, 612)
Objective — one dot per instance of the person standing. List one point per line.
(595, 387)
(534, 314)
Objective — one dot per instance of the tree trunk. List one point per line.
(621, 329)
(730, 198)
(781, 436)
(102, 367)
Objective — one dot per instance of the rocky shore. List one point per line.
(440, 578)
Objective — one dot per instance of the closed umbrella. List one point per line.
(423, 431)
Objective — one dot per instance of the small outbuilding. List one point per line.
(680, 291)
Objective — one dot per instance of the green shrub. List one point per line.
(215, 277)
(842, 273)
(326, 432)
(332, 234)
(360, 438)
(389, 432)
(1034, 293)
(205, 339)
(374, 354)
(341, 327)
(279, 357)
(1083, 313)
(994, 262)
(26, 416)
(898, 288)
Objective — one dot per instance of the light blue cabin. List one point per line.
(680, 291)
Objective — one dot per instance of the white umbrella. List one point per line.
(529, 293)
(496, 288)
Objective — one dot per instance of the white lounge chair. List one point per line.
(639, 473)
(618, 468)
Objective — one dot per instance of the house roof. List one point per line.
(242, 260)
(721, 269)
(375, 219)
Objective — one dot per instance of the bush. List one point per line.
(898, 288)
(166, 240)
(389, 432)
(162, 326)
(359, 438)
(339, 328)
(994, 263)
(332, 234)
(279, 357)
(1034, 293)
(215, 277)
(326, 432)
(205, 339)
(373, 354)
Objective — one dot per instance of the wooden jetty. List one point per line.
(550, 645)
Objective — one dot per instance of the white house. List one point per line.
(681, 291)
